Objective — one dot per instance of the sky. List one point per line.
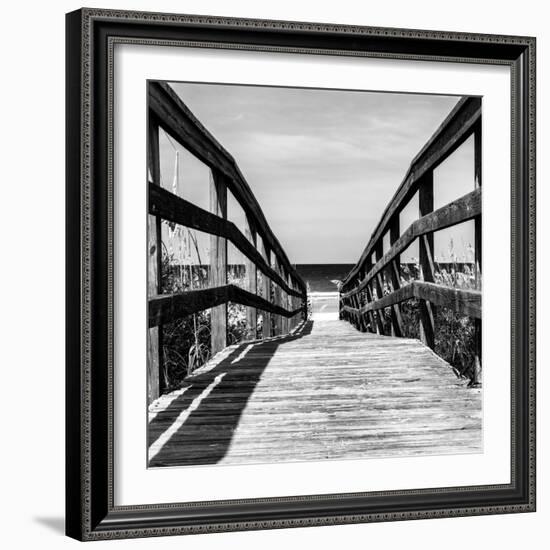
(323, 164)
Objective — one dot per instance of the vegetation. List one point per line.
(454, 333)
(186, 342)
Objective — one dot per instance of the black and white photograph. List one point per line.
(314, 274)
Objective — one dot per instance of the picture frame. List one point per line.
(90, 331)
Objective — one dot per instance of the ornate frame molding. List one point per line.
(91, 36)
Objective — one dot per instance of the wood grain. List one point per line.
(463, 209)
(326, 392)
(176, 119)
(453, 131)
(166, 308)
(166, 205)
(466, 302)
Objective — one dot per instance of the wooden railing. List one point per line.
(280, 280)
(375, 282)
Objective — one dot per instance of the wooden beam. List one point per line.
(379, 325)
(218, 263)
(476, 379)
(166, 308)
(463, 209)
(379, 285)
(454, 130)
(371, 315)
(267, 332)
(252, 280)
(426, 243)
(465, 302)
(168, 206)
(154, 264)
(176, 119)
(356, 318)
(395, 282)
(361, 321)
(277, 300)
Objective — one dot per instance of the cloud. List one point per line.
(322, 164)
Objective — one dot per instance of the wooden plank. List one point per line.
(395, 282)
(371, 315)
(363, 320)
(218, 264)
(288, 305)
(266, 332)
(169, 307)
(466, 302)
(176, 119)
(278, 301)
(153, 350)
(426, 244)
(170, 207)
(328, 392)
(454, 130)
(378, 325)
(252, 281)
(476, 380)
(358, 316)
(154, 263)
(466, 208)
(379, 285)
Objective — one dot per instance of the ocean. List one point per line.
(323, 277)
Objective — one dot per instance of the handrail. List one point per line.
(276, 295)
(466, 302)
(374, 282)
(170, 207)
(176, 119)
(166, 308)
(453, 131)
(463, 209)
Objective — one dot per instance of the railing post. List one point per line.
(284, 300)
(366, 291)
(278, 300)
(476, 380)
(357, 316)
(376, 314)
(218, 262)
(266, 330)
(394, 271)
(252, 285)
(379, 285)
(154, 265)
(291, 303)
(426, 205)
(362, 318)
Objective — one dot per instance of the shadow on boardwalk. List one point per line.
(198, 425)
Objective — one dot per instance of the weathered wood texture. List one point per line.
(252, 287)
(452, 132)
(166, 308)
(426, 246)
(170, 207)
(329, 392)
(466, 302)
(478, 254)
(266, 328)
(218, 265)
(461, 210)
(176, 119)
(154, 266)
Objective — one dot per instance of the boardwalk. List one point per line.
(338, 386)
(326, 392)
